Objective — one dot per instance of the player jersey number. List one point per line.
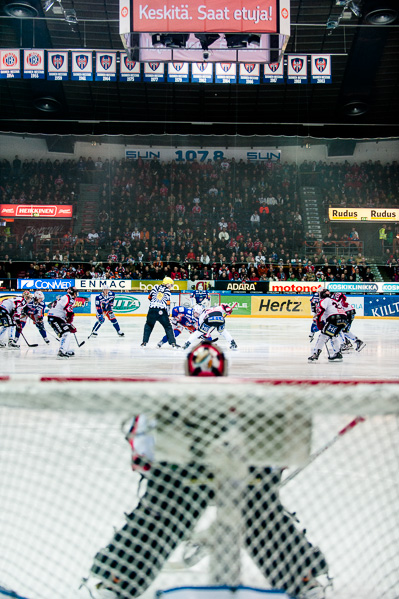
(160, 296)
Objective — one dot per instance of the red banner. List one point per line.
(233, 16)
(32, 211)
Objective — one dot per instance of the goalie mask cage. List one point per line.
(227, 464)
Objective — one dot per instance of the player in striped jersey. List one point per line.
(209, 320)
(331, 320)
(159, 311)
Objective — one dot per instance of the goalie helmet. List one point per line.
(206, 359)
(226, 308)
(38, 296)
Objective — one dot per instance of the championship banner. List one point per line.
(201, 72)
(38, 211)
(10, 64)
(297, 70)
(82, 66)
(274, 72)
(364, 214)
(225, 72)
(57, 65)
(106, 66)
(33, 64)
(320, 68)
(178, 72)
(129, 69)
(249, 73)
(154, 72)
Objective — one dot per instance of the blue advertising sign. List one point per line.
(46, 284)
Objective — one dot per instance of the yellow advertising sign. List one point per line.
(270, 305)
(364, 214)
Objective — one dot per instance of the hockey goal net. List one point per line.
(184, 299)
(233, 474)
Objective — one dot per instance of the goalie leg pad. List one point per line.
(168, 511)
(278, 548)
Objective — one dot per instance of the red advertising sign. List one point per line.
(31, 211)
(233, 16)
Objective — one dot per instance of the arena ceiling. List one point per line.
(365, 77)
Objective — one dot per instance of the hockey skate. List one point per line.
(2, 344)
(143, 344)
(12, 344)
(233, 345)
(186, 345)
(70, 353)
(359, 345)
(46, 340)
(120, 334)
(62, 355)
(175, 346)
(315, 356)
(336, 357)
(94, 334)
(160, 344)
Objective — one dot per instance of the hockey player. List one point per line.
(209, 320)
(60, 318)
(181, 319)
(201, 297)
(314, 306)
(331, 320)
(34, 309)
(346, 335)
(159, 311)
(175, 498)
(105, 307)
(10, 316)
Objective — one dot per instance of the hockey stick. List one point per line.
(317, 453)
(26, 341)
(77, 342)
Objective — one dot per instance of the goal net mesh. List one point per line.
(152, 485)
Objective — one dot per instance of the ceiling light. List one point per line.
(47, 5)
(20, 10)
(355, 8)
(381, 16)
(355, 108)
(47, 104)
(70, 16)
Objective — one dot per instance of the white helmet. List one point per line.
(38, 296)
(106, 288)
(197, 310)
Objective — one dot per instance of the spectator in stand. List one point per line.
(255, 220)
(354, 238)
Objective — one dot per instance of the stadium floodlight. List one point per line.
(241, 40)
(169, 40)
(70, 16)
(47, 5)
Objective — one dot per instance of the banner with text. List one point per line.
(364, 214)
(32, 210)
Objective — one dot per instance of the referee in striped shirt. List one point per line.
(159, 311)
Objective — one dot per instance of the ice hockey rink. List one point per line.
(46, 555)
(268, 348)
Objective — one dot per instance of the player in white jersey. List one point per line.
(60, 318)
(331, 320)
(10, 316)
(346, 335)
(210, 319)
